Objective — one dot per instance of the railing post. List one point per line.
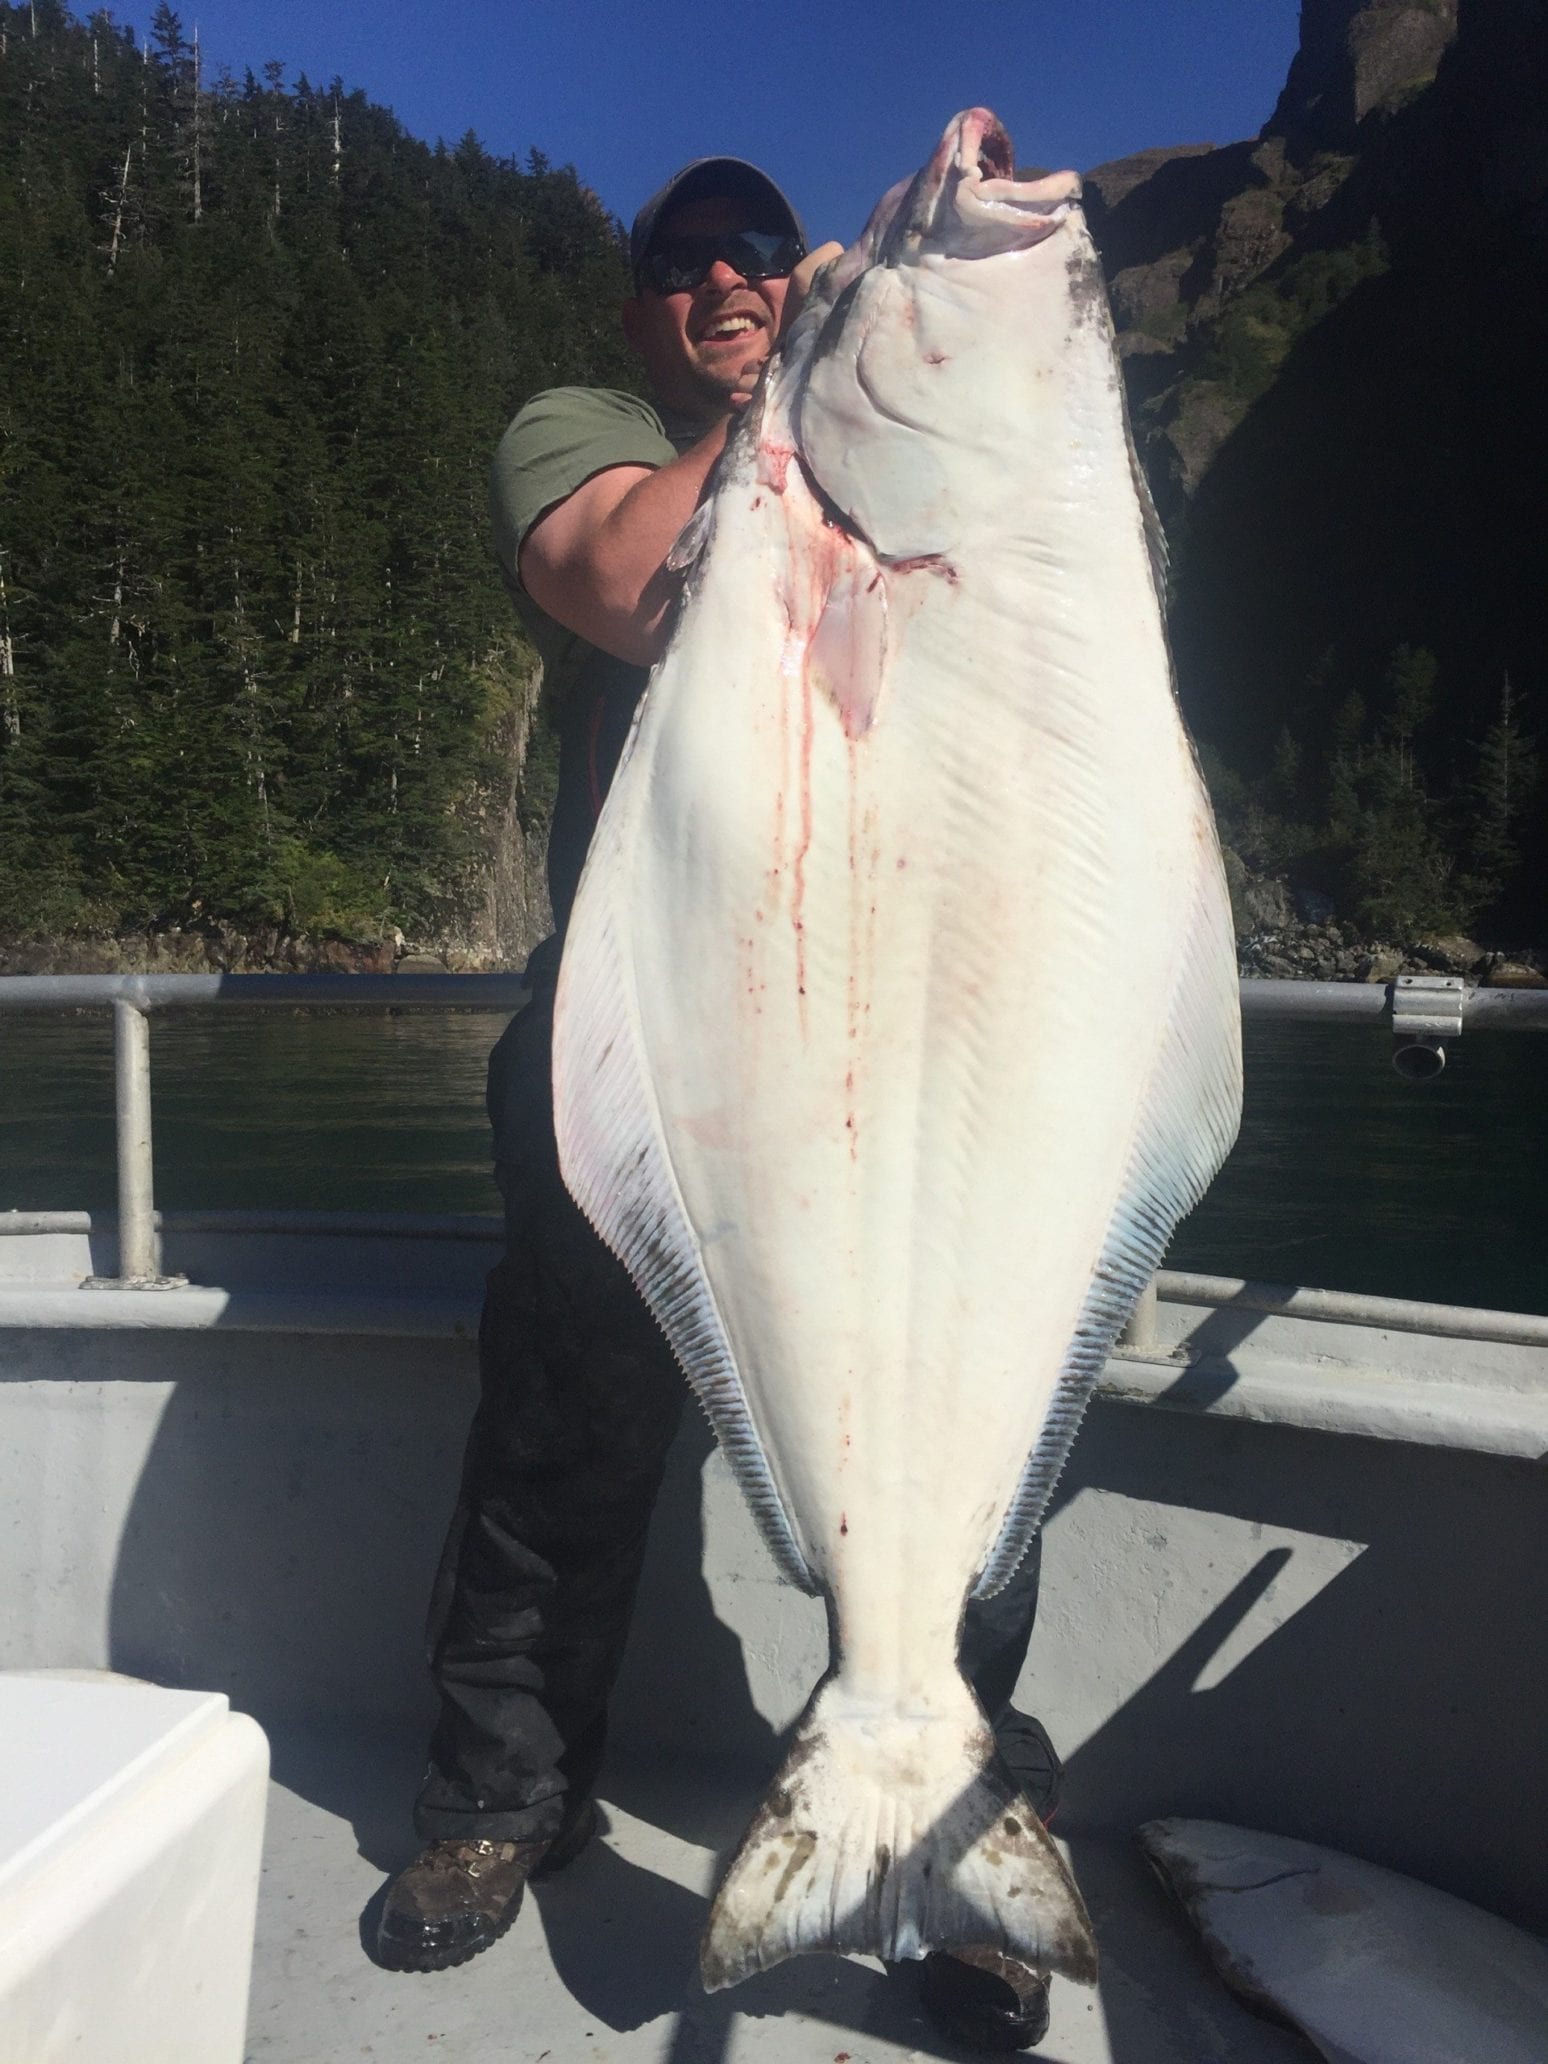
(132, 1107)
(1140, 1332)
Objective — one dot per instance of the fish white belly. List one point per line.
(897, 1084)
(897, 1023)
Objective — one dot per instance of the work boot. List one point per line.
(981, 1997)
(985, 2000)
(1032, 1760)
(459, 1896)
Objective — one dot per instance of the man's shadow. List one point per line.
(280, 1544)
(684, 1704)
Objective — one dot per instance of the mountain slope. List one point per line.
(1334, 336)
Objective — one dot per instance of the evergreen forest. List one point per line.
(256, 347)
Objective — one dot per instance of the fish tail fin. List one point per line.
(890, 1834)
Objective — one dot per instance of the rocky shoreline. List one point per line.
(219, 950)
(1296, 935)
(1293, 934)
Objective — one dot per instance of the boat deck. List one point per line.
(1292, 1579)
(601, 1965)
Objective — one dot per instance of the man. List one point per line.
(580, 1398)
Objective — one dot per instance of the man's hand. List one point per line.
(801, 281)
(796, 291)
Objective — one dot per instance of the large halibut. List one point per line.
(898, 1018)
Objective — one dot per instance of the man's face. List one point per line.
(703, 350)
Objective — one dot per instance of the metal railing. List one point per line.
(1421, 1011)
(132, 998)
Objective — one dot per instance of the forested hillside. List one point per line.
(256, 346)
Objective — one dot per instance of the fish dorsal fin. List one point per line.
(615, 1161)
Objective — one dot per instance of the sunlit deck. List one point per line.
(601, 1965)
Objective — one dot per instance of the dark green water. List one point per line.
(1345, 1176)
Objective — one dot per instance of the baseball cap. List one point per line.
(708, 178)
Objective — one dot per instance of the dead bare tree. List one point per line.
(10, 708)
(198, 128)
(118, 202)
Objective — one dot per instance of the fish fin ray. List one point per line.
(688, 546)
(1190, 1113)
(616, 1166)
(963, 1861)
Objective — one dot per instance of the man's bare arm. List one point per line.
(595, 562)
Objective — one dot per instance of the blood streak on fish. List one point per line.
(804, 846)
(926, 562)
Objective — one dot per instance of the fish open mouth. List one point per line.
(964, 202)
(967, 200)
(996, 159)
(985, 150)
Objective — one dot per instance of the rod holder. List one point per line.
(1427, 1010)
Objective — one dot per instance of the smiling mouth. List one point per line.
(725, 328)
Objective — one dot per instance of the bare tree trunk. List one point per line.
(255, 750)
(10, 711)
(118, 211)
(116, 628)
(198, 127)
(338, 143)
(274, 79)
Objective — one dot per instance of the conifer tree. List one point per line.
(256, 347)
(1499, 795)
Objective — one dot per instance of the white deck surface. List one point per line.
(600, 1967)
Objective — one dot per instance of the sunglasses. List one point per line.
(678, 265)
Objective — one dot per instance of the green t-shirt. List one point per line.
(559, 441)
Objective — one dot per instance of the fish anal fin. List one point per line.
(616, 1165)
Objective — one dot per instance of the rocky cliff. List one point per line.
(1186, 231)
(1334, 336)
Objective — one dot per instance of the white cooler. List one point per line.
(131, 1832)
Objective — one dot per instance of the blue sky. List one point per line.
(837, 98)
